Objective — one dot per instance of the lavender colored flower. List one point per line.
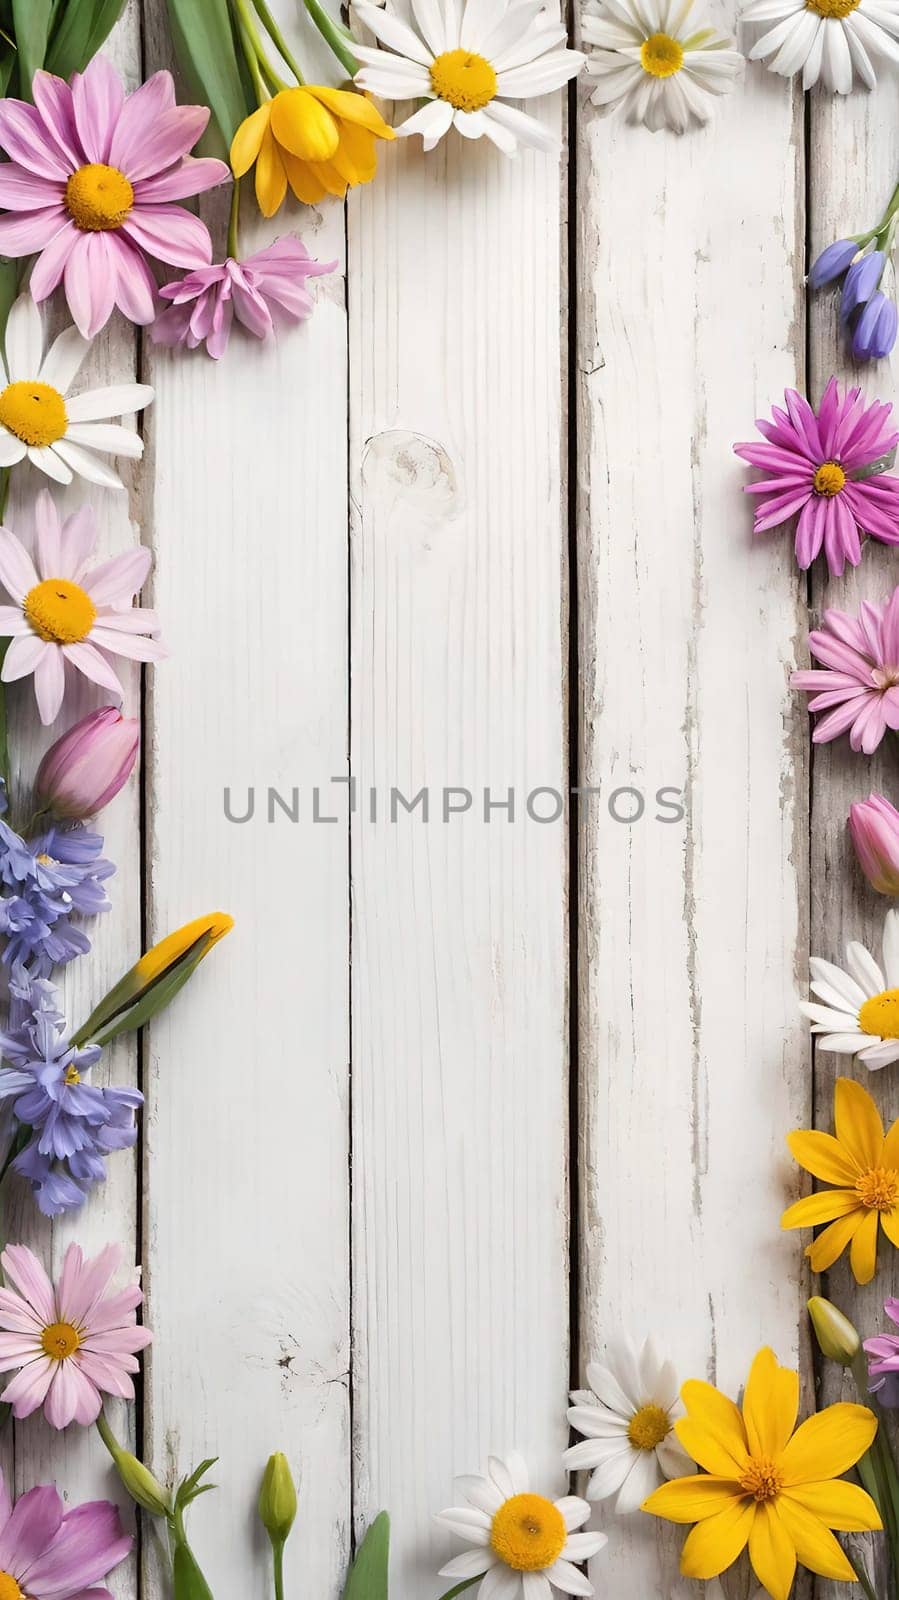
(883, 1369)
(49, 879)
(832, 263)
(860, 282)
(264, 291)
(875, 329)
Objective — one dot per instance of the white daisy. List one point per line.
(467, 62)
(828, 40)
(860, 1010)
(627, 1418)
(653, 62)
(522, 1543)
(59, 433)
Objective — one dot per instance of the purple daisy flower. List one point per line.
(49, 1553)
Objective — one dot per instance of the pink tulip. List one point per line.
(874, 826)
(87, 767)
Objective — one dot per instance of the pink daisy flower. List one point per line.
(63, 613)
(49, 1553)
(90, 184)
(858, 690)
(68, 1343)
(266, 288)
(815, 465)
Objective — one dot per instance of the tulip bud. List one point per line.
(152, 983)
(874, 827)
(837, 1338)
(277, 1499)
(87, 767)
(138, 1480)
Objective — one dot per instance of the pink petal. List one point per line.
(889, 631)
(48, 270)
(809, 533)
(82, 1284)
(97, 99)
(131, 645)
(119, 579)
(26, 139)
(142, 110)
(49, 532)
(50, 684)
(5, 1503)
(17, 573)
(106, 1374)
(171, 327)
(89, 1544)
(137, 619)
(116, 1311)
(779, 509)
(876, 517)
(165, 141)
(121, 1342)
(77, 538)
(90, 280)
(27, 1390)
(17, 1315)
(23, 234)
(17, 1349)
(194, 175)
(21, 190)
(71, 1398)
(88, 660)
(53, 99)
(21, 1265)
(23, 657)
(171, 234)
(35, 1521)
(835, 723)
(135, 284)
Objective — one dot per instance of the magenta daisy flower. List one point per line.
(90, 185)
(68, 1343)
(49, 1553)
(858, 689)
(260, 292)
(816, 466)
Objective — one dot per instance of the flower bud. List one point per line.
(874, 827)
(87, 767)
(837, 1338)
(277, 1499)
(138, 1480)
(832, 262)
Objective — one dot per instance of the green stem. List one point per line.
(467, 1585)
(862, 1577)
(107, 1435)
(278, 1555)
(278, 38)
(257, 63)
(334, 37)
(234, 219)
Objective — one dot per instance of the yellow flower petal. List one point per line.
(303, 125)
(815, 1546)
(828, 1444)
(889, 1221)
(692, 1499)
(824, 1157)
(713, 1545)
(271, 179)
(822, 1207)
(718, 1418)
(838, 1505)
(356, 157)
(770, 1405)
(247, 141)
(328, 177)
(303, 181)
(863, 1249)
(857, 1123)
(706, 1450)
(352, 107)
(823, 1251)
(772, 1552)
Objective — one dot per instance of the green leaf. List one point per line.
(367, 1578)
(82, 28)
(188, 1581)
(204, 44)
(31, 24)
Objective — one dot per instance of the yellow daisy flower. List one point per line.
(316, 139)
(864, 1166)
(765, 1485)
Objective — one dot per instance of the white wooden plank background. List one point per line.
(354, 1193)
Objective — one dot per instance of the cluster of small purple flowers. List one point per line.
(47, 880)
(868, 315)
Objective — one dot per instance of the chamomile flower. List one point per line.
(627, 1417)
(859, 1009)
(467, 62)
(58, 433)
(522, 1544)
(830, 40)
(653, 62)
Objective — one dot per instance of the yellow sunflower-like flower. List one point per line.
(765, 1485)
(316, 139)
(864, 1166)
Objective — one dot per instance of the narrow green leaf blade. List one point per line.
(188, 1582)
(367, 1578)
(31, 24)
(205, 47)
(82, 28)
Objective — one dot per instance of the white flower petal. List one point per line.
(12, 449)
(480, 1492)
(470, 1564)
(673, 1458)
(392, 32)
(23, 656)
(467, 1523)
(88, 659)
(843, 1044)
(87, 465)
(611, 1473)
(575, 1511)
(526, 129)
(24, 340)
(46, 459)
(864, 968)
(110, 437)
(432, 121)
(116, 400)
(63, 360)
(50, 684)
(645, 1476)
(881, 1054)
(17, 570)
(827, 1017)
(567, 1578)
(846, 987)
(500, 1583)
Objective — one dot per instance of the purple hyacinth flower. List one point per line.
(832, 262)
(861, 282)
(874, 333)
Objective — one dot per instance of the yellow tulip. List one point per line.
(766, 1483)
(315, 139)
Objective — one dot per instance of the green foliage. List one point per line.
(59, 35)
(207, 54)
(188, 1582)
(367, 1578)
(80, 28)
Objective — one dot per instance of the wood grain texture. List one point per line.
(459, 933)
(692, 935)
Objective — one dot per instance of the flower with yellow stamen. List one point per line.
(863, 1165)
(767, 1484)
(315, 139)
(155, 979)
(856, 1011)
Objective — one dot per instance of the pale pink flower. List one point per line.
(65, 612)
(267, 288)
(874, 830)
(858, 689)
(49, 1552)
(90, 184)
(69, 1343)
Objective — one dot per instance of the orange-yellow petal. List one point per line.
(889, 1221)
(828, 1444)
(815, 1546)
(303, 125)
(706, 1450)
(713, 1545)
(328, 177)
(838, 1504)
(857, 1123)
(303, 181)
(719, 1420)
(247, 141)
(692, 1499)
(770, 1405)
(863, 1249)
(356, 156)
(823, 1251)
(823, 1156)
(271, 179)
(352, 107)
(821, 1207)
(772, 1552)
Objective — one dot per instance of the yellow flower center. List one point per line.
(878, 1188)
(528, 1533)
(60, 611)
(9, 1589)
(70, 1076)
(762, 1478)
(59, 1341)
(829, 479)
(832, 8)
(98, 198)
(648, 1427)
(34, 412)
(661, 56)
(880, 1015)
(467, 81)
